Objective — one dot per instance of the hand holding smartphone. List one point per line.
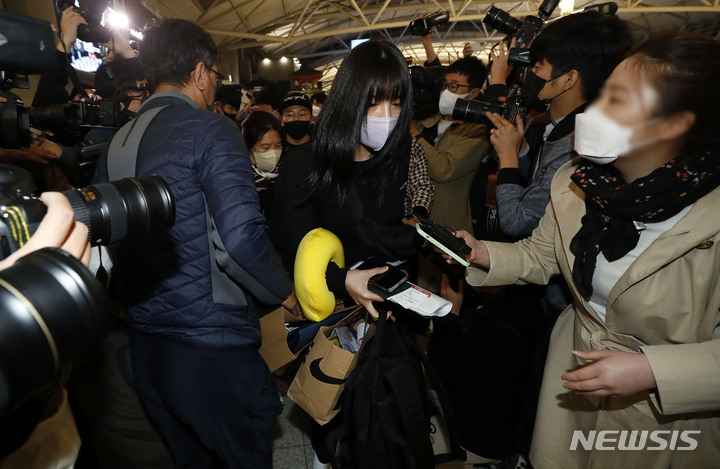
(444, 239)
(388, 281)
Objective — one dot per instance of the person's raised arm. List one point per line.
(69, 23)
(428, 46)
(500, 69)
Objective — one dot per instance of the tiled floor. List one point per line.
(291, 446)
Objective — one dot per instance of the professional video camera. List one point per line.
(116, 211)
(516, 103)
(426, 24)
(76, 114)
(28, 47)
(93, 31)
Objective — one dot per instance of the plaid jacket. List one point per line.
(420, 190)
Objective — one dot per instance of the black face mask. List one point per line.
(231, 116)
(532, 84)
(297, 129)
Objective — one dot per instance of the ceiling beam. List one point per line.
(253, 36)
(465, 4)
(326, 32)
(438, 5)
(378, 14)
(360, 12)
(299, 19)
(205, 13)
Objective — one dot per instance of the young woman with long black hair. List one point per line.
(352, 181)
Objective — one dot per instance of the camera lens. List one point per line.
(124, 210)
(56, 117)
(474, 111)
(501, 20)
(50, 307)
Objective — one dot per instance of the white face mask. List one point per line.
(448, 100)
(376, 130)
(315, 111)
(601, 140)
(266, 160)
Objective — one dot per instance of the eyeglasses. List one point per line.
(452, 87)
(219, 77)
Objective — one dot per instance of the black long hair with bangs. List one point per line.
(372, 71)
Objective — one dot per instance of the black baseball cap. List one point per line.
(295, 99)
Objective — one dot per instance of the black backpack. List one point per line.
(384, 420)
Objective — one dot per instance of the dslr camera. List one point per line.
(123, 210)
(516, 103)
(93, 31)
(30, 49)
(51, 306)
(523, 31)
(80, 113)
(427, 24)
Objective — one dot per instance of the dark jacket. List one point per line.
(293, 215)
(520, 208)
(191, 281)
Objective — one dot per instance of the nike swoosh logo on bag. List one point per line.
(319, 375)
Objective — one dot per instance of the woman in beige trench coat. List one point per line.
(632, 378)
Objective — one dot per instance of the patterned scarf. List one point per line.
(613, 205)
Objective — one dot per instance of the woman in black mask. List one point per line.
(633, 227)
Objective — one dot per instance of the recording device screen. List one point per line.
(86, 56)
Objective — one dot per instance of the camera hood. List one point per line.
(27, 45)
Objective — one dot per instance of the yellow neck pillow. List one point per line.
(316, 249)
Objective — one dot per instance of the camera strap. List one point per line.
(123, 151)
(75, 79)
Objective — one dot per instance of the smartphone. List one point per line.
(444, 239)
(389, 280)
(370, 263)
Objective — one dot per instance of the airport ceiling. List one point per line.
(318, 32)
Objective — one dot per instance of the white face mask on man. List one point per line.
(448, 100)
(601, 140)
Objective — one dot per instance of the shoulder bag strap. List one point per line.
(123, 151)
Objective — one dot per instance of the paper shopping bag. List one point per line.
(321, 378)
(284, 336)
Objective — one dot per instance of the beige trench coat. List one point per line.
(452, 164)
(665, 305)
